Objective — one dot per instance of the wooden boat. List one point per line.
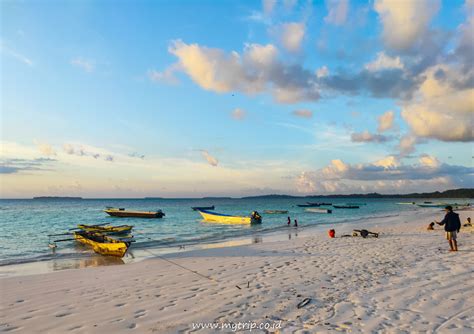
(121, 212)
(406, 203)
(214, 217)
(108, 229)
(308, 205)
(197, 208)
(346, 206)
(318, 210)
(442, 205)
(275, 212)
(102, 244)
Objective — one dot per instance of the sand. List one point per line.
(406, 281)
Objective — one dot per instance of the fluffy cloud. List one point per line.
(303, 113)
(337, 11)
(238, 114)
(405, 22)
(45, 149)
(209, 158)
(322, 72)
(384, 62)
(86, 64)
(407, 144)
(367, 137)
(292, 36)
(268, 6)
(385, 121)
(257, 70)
(387, 174)
(443, 107)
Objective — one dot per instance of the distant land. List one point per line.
(453, 193)
(56, 197)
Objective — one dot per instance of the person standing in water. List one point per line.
(289, 221)
(452, 224)
(296, 223)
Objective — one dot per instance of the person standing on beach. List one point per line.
(452, 224)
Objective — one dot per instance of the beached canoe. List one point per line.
(102, 244)
(197, 208)
(345, 206)
(275, 212)
(214, 217)
(318, 210)
(138, 214)
(108, 229)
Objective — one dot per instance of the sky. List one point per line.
(234, 98)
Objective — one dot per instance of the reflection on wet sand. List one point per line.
(232, 243)
(93, 261)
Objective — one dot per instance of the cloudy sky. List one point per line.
(200, 98)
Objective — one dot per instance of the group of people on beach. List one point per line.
(289, 222)
(452, 225)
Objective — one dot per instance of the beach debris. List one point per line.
(304, 302)
(332, 233)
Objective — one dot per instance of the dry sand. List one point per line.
(405, 281)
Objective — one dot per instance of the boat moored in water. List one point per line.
(275, 212)
(214, 217)
(197, 208)
(107, 229)
(121, 212)
(346, 206)
(318, 210)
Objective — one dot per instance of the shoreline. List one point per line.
(88, 259)
(405, 280)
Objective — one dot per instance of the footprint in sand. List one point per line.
(64, 314)
(120, 305)
(140, 313)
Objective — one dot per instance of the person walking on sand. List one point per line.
(452, 224)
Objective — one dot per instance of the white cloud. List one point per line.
(209, 158)
(167, 76)
(322, 72)
(407, 144)
(429, 161)
(18, 56)
(86, 64)
(45, 148)
(257, 70)
(441, 109)
(337, 11)
(292, 36)
(406, 21)
(303, 113)
(238, 114)
(386, 121)
(384, 62)
(367, 137)
(268, 6)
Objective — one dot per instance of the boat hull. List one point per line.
(106, 229)
(275, 212)
(134, 214)
(213, 217)
(316, 210)
(198, 208)
(110, 247)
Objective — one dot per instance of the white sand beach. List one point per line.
(406, 281)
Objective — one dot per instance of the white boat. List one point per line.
(318, 210)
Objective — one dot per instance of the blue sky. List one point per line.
(193, 98)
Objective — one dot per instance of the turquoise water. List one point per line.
(25, 224)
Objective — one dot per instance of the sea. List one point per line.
(26, 223)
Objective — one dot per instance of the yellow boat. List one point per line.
(102, 244)
(108, 229)
(214, 217)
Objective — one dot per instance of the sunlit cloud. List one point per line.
(385, 121)
(303, 113)
(209, 158)
(367, 137)
(292, 35)
(238, 114)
